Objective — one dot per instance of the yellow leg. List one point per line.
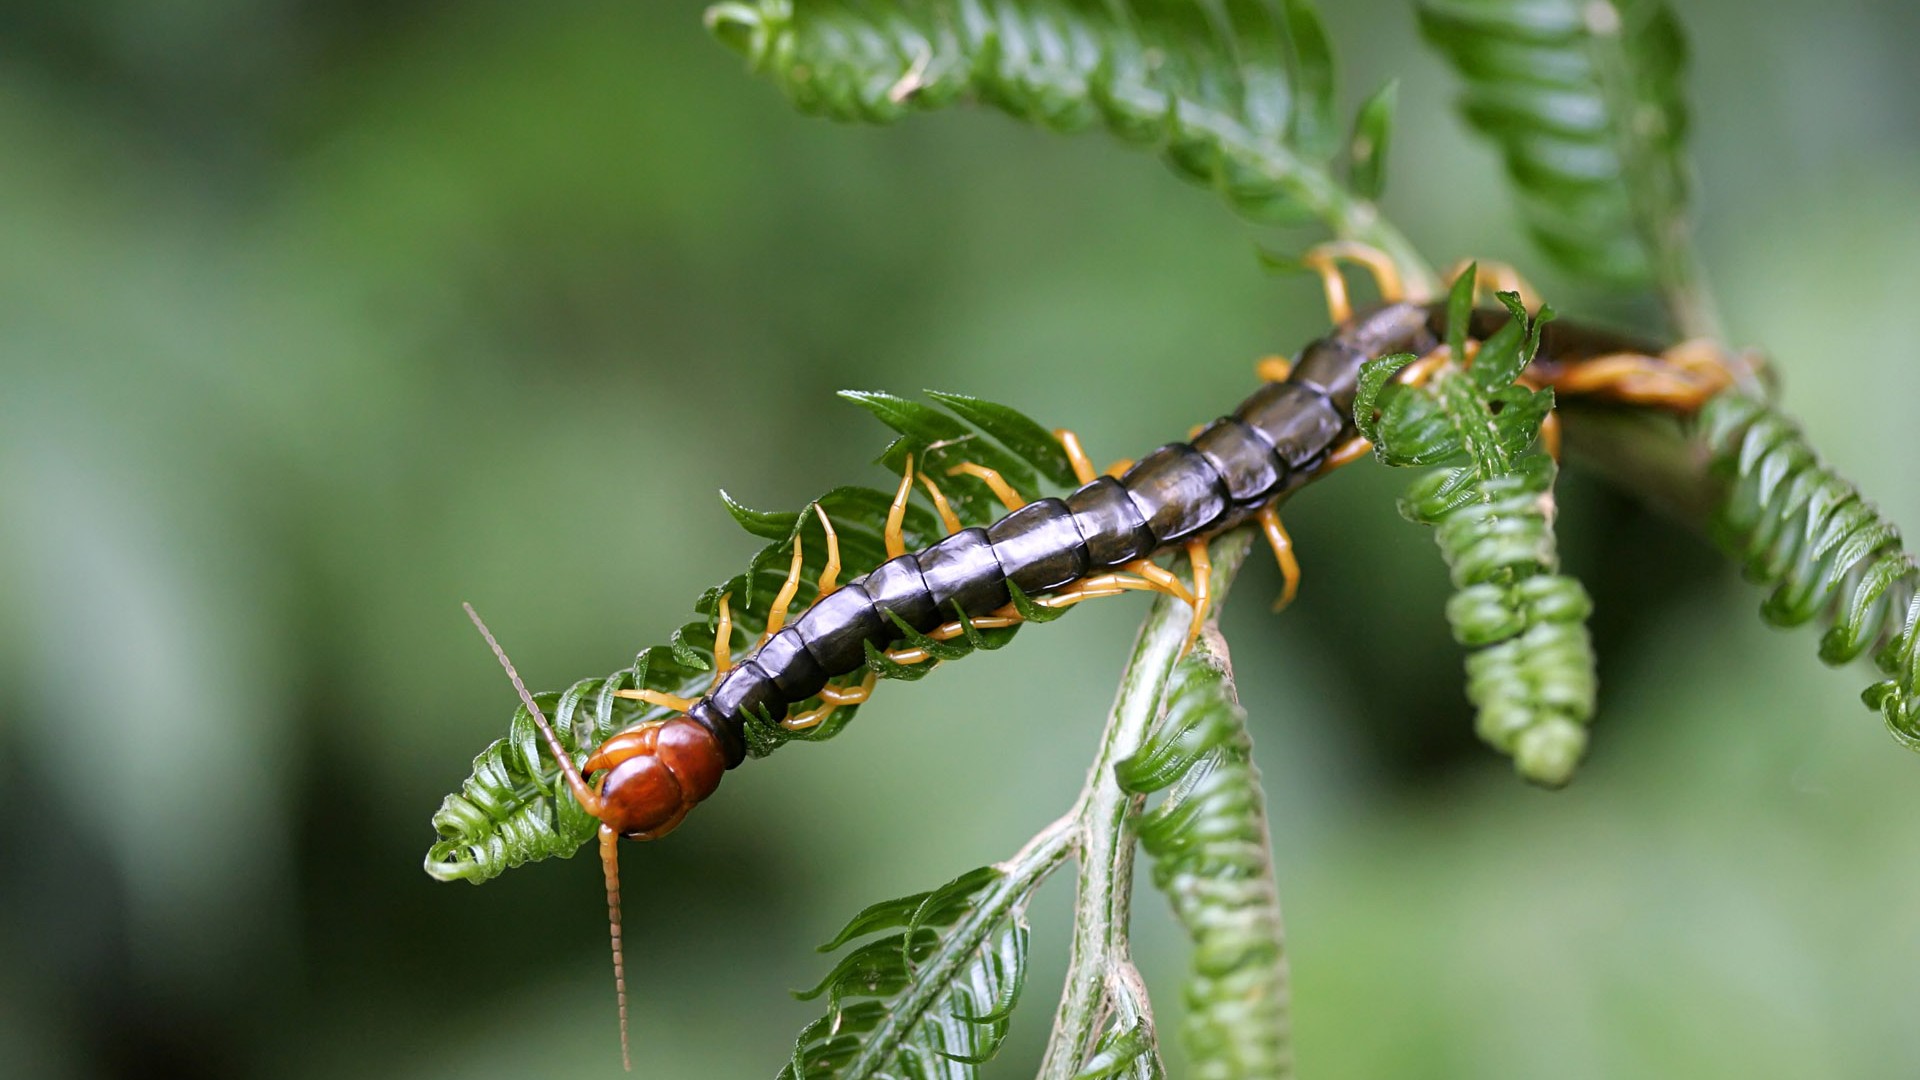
(1161, 580)
(723, 641)
(1094, 587)
(1120, 467)
(1345, 454)
(1418, 372)
(1084, 589)
(777, 614)
(1325, 259)
(897, 513)
(830, 573)
(1698, 355)
(656, 697)
(1644, 380)
(1002, 490)
(828, 695)
(1710, 361)
(1202, 600)
(1273, 368)
(1083, 469)
(848, 695)
(1282, 545)
(940, 504)
(722, 663)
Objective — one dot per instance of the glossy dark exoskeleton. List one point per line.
(1271, 444)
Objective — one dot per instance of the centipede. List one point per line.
(1101, 539)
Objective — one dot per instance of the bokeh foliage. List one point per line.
(327, 318)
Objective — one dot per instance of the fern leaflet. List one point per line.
(513, 809)
(1531, 674)
(1584, 100)
(1212, 858)
(1238, 97)
(1826, 552)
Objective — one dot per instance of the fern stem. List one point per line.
(1106, 814)
(1023, 873)
(1683, 285)
(1655, 195)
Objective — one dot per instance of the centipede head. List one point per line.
(655, 773)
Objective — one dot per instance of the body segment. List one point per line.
(1096, 541)
(1272, 444)
(1233, 469)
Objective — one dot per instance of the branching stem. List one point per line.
(1100, 975)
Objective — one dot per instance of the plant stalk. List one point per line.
(1106, 815)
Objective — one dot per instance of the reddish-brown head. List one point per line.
(655, 774)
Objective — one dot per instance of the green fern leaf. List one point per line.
(1825, 551)
(1238, 96)
(931, 1000)
(513, 809)
(1209, 844)
(1367, 150)
(1584, 100)
(1531, 673)
(1123, 1051)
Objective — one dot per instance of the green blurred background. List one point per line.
(321, 318)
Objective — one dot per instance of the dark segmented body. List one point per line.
(1271, 445)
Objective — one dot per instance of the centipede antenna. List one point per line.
(575, 781)
(610, 866)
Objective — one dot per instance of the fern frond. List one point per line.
(506, 812)
(933, 998)
(1531, 674)
(514, 809)
(1212, 858)
(1123, 1052)
(1585, 102)
(1807, 533)
(1236, 96)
